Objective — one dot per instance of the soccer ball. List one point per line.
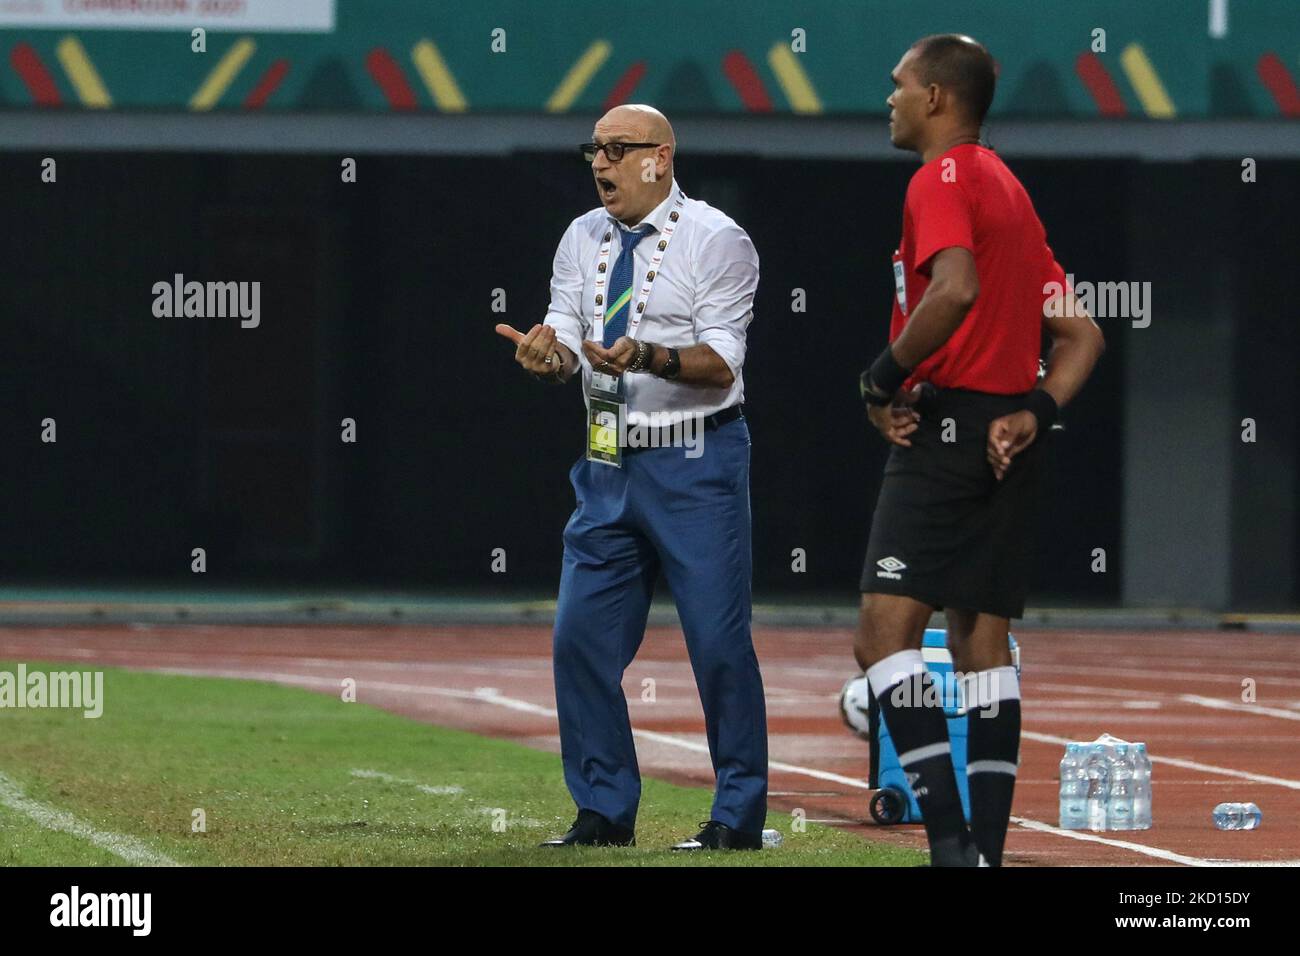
(854, 697)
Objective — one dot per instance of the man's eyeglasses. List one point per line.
(613, 151)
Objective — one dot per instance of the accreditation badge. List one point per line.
(606, 415)
(900, 282)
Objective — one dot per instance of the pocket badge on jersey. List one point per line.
(900, 282)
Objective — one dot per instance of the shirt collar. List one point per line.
(658, 215)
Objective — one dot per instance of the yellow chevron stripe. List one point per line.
(437, 78)
(623, 300)
(81, 72)
(1146, 83)
(222, 75)
(579, 75)
(794, 81)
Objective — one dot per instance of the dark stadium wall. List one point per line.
(177, 433)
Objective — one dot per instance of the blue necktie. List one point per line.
(620, 286)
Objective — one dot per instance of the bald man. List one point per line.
(651, 296)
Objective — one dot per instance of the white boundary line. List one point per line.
(1185, 764)
(133, 851)
(1199, 700)
(423, 788)
(491, 696)
(1156, 852)
(1215, 704)
(441, 792)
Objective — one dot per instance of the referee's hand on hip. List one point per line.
(1008, 436)
(898, 419)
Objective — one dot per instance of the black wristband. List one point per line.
(1044, 408)
(882, 381)
(865, 390)
(672, 366)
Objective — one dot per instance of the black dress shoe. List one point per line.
(718, 836)
(591, 829)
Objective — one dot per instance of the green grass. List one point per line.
(272, 769)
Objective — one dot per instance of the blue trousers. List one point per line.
(689, 517)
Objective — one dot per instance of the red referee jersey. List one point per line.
(967, 197)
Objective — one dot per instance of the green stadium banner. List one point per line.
(1158, 59)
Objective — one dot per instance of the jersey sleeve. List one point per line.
(1052, 271)
(941, 212)
(1055, 282)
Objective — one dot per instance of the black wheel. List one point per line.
(888, 806)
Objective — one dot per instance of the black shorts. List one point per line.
(945, 531)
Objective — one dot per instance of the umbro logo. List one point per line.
(890, 567)
(920, 791)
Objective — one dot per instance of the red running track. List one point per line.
(1180, 691)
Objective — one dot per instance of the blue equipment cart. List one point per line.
(893, 802)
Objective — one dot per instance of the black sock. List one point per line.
(992, 752)
(914, 717)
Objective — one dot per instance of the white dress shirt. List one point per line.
(703, 293)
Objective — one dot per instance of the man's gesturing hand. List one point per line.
(533, 350)
(613, 360)
(1008, 436)
(899, 419)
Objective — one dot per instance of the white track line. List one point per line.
(491, 696)
(1240, 708)
(1185, 764)
(1152, 851)
(133, 851)
(1155, 852)
(1214, 703)
(1153, 674)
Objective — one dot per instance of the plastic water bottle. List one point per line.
(1119, 809)
(1141, 788)
(1074, 789)
(771, 839)
(1097, 768)
(1237, 816)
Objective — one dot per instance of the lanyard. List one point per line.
(602, 270)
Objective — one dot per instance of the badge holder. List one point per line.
(900, 282)
(606, 415)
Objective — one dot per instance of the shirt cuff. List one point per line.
(729, 347)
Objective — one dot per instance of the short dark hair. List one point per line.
(959, 64)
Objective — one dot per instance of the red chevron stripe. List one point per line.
(622, 90)
(27, 64)
(1102, 88)
(388, 75)
(746, 82)
(267, 85)
(1273, 74)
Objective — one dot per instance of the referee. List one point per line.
(651, 296)
(954, 393)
